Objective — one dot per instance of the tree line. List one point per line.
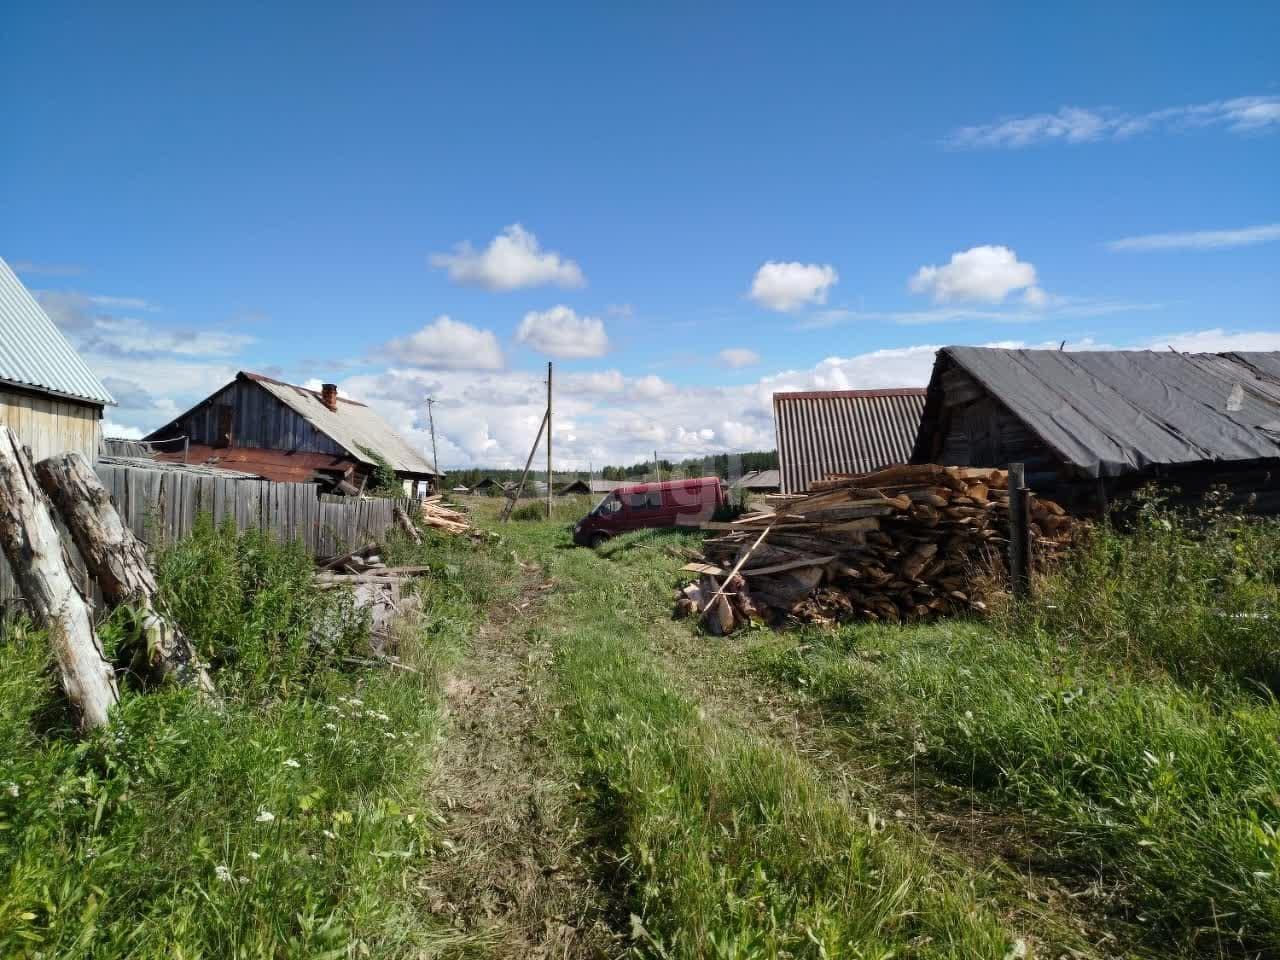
(723, 465)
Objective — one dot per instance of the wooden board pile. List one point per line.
(901, 544)
(436, 514)
(374, 586)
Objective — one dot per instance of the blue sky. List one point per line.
(286, 188)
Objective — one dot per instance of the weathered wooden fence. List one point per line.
(161, 505)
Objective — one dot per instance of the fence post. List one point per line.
(1019, 532)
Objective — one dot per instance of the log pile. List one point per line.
(902, 544)
(436, 514)
(374, 586)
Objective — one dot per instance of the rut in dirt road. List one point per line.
(515, 875)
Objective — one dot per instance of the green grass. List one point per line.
(723, 844)
(1126, 713)
(287, 824)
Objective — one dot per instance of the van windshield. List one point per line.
(608, 505)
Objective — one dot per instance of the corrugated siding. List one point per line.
(33, 351)
(843, 432)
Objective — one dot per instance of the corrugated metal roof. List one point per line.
(1119, 411)
(843, 431)
(33, 351)
(353, 426)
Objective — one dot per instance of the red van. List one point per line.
(670, 503)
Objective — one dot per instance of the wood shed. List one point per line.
(1094, 425)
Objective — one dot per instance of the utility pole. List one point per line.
(657, 467)
(548, 439)
(435, 463)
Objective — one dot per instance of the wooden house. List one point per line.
(287, 433)
(48, 395)
(1093, 425)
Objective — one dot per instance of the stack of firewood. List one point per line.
(901, 544)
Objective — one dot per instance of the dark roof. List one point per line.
(1112, 412)
(760, 480)
(843, 431)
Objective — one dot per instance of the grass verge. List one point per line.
(288, 824)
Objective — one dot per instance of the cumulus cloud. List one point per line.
(88, 321)
(987, 274)
(1198, 240)
(736, 358)
(1088, 125)
(447, 344)
(789, 286)
(561, 332)
(1216, 340)
(512, 260)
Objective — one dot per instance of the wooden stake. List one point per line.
(1019, 532)
(31, 544)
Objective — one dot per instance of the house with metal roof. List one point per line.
(287, 433)
(1093, 425)
(759, 481)
(823, 432)
(48, 395)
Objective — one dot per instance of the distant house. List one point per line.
(1091, 425)
(605, 486)
(843, 431)
(48, 395)
(488, 486)
(577, 487)
(759, 481)
(282, 432)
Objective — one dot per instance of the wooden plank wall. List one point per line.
(50, 425)
(162, 505)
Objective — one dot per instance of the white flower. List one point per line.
(968, 714)
(331, 726)
(254, 855)
(243, 879)
(265, 816)
(330, 835)
(11, 789)
(292, 763)
(222, 873)
(388, 734)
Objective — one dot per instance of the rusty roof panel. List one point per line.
(843, 431)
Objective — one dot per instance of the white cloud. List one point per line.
(987, 274)
(788, 286)
(1087, 125)
(513, 259)
(1199, 240)
(561, 332)
(1216, 340)
(736, 358)
(121, 432)
(447, 344)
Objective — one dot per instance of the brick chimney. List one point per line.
(329, 395)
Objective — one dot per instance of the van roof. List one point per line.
(667, 484)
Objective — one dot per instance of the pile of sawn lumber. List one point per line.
(901, 544)
(436, 514)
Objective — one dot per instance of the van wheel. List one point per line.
(597, 539)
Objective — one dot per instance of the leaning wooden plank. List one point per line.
(788, 565)
(31, 545)
(736, 567)
(708, 568)
(117, 560)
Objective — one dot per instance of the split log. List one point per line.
(405, 524)
(31, 544)
(118, 561)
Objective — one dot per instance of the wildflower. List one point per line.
(388, 734)
(243, 879)
(11, 789)
(292, 763)
(968, 714)
(331, 726)
(222, 873)
(330, 835)
(265, 816)
(254, 855)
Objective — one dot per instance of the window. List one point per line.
(645, 500)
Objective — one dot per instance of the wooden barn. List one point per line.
(48, 395)
(1094, 425)
(287, 433)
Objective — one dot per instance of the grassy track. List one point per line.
(723, 844)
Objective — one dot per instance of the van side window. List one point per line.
(653, 500)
